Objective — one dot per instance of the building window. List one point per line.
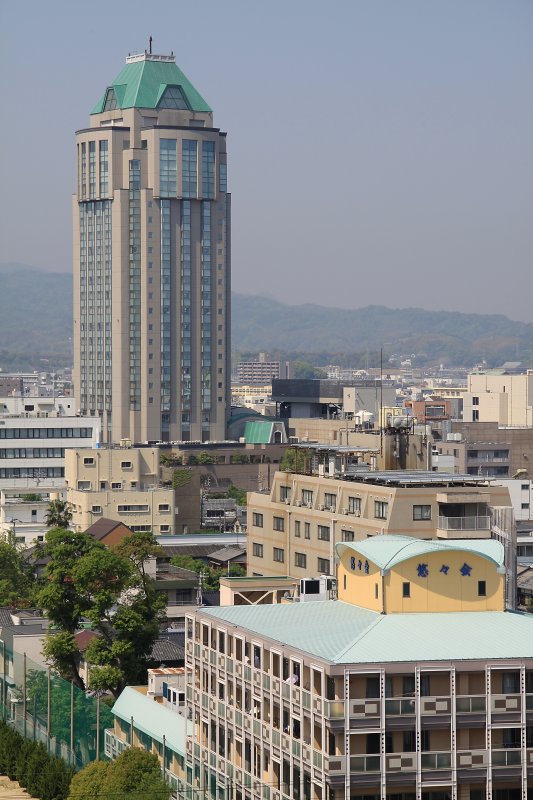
(278, 523)
(354, 506)
(421, 512)
(88, 462)
(475, 401)
(189, 168)
(257, 520)
(376, 591)
(164, 507)
(323, 533)
(307, 497)
(84, 485)
(297, 528)
(208, 170)
(482, 588)
(348, 536)
(307, 530)
(284, 493)
(279, 555)
(164, 528)
(116, 485)
(406, 589)
(126, 464)
(475, 416)
(381, 509)
(300, 560)
(257, 550)
(330, 501)
(133, 509)
(96, 509)
(323, 566)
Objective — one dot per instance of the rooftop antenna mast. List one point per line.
(150, 45)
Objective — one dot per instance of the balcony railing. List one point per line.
(473, 704)
(365, 763)
(464, 523)
(400, 706)
(507, 758)
(505, 703)
(441, 760)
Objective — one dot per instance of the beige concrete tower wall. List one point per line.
(143, 304)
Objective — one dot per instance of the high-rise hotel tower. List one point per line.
(152, 260)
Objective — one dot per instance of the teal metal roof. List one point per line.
(387, 551)
(142, 84)
(342, 633)
(258, 432)
(152, 718)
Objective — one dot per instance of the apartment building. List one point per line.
(293, 530)
(502, 398)
(413, 684)
(119, 483)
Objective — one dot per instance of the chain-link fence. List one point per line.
(44, 707)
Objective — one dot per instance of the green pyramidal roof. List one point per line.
(144, 81)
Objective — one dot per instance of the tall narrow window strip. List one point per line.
(167, 167)
(189, 168)
(208, 170)
(104, 167)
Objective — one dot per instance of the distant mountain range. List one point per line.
(36, 324)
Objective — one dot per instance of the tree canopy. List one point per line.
(59, 514)
(134, 775)
(86, 581)
(16, 585)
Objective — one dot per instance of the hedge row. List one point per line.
(42, 775)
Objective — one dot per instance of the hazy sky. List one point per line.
(380, 151)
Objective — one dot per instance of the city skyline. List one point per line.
(379, 155)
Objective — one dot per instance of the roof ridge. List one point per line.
(361, 636)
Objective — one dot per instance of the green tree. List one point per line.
(295, 460)
(210, 575)
(239, 495)
(59, 514)
(134, 775)
(16, 584)
(86, 580)
(205, 458)
(89, 782)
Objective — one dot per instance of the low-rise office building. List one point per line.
(119, 483)
(414, 684)
(35, 434)
(293, 529)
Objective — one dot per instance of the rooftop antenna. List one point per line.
(150, 45)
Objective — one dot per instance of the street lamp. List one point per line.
(14, 521)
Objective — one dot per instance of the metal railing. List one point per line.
(464, 523)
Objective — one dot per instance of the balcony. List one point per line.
(471, 704)
(506, 758)
(435, 705)
(436, 760)
(366, 763)
(400, 706)
(472, 759)
(455, 527)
